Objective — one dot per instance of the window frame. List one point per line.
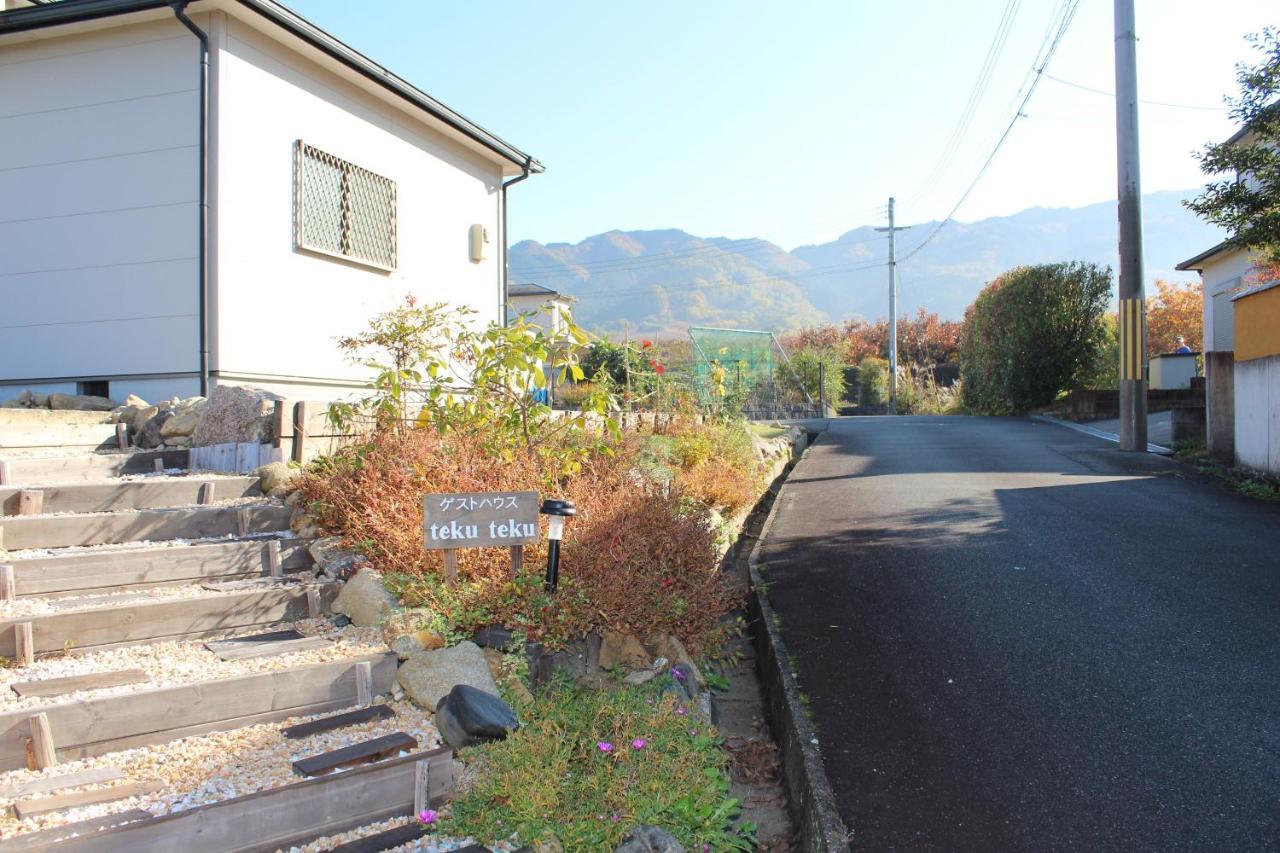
(302, 150)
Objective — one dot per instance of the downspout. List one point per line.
(179, 10)
(505, 241)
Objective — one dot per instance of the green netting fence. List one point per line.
(747, 369)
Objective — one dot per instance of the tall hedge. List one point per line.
(1032, 333)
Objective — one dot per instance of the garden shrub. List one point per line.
(587, 765)
(1032, 333)
(639, 556)
(808, 364)
(873, 382)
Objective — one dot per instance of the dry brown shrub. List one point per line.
(638, 557)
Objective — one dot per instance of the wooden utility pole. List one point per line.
(1133, 315)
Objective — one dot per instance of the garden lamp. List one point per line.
(558, 509)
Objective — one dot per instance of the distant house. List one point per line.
(549, 308)
(159, 240)
(1232, 406)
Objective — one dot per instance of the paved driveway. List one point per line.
(1017, 637)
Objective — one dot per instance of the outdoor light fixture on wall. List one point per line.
(558, 510)
(479, 240)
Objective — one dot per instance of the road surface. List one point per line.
(1015, 636)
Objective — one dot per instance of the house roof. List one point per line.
(531, 289)
(1197, 263)
(75, 11)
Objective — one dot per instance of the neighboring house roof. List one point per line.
(74, 11)
(1197, 263)
(530, 289)
(1256, 289)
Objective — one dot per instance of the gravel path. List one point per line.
(183, 662)
(209, 768)
(428, 844)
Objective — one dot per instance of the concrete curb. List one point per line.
(1097, 433)
(809, 795)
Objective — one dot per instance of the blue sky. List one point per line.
(796, 121)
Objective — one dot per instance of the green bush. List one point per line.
(1032, 333)
(808, 365)
(873, 382)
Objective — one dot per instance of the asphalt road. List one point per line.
(1018, 637)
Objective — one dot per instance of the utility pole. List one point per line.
(893, 311)
(1133, 315)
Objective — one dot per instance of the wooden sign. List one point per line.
(480, 520)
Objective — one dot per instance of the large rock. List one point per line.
(183, 422)
(81, 403)
(428, 676)
(467, 717)
(140, 417)
(150, 436)
(332, 559)
(237, 414)
(649, 839)
(276, 475)
(365, 599)
(623, 650)
(670, 647)
(406, 632)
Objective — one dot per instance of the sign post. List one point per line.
(479, 520)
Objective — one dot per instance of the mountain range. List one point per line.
(660, 282)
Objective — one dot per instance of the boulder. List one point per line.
(406, 632)
(183, 422)
(275, 475)
(37, 400)
(623, 650)
(649, 839)
(177, 441)
(81, 403)
(332, 559)
(492, 637)
(640, 676)
(428, 676)
(365, 599)
(150, 436)
(13, 403)
(237, 414)
(503, 678)
(140, 417)
(303, 523)
(467, 717)
(670, 647)
(135, 401)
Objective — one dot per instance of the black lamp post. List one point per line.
(558, 510)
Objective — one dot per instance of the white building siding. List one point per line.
(280, 309)
(1221, 279)
(98, 228)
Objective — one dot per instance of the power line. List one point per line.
(1169, 104)
(994, 50)
(1069, 8)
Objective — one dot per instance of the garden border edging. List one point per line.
(809, 794)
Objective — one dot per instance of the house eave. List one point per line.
(1196, 264)
(67, 12)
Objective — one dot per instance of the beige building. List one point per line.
(210, 192)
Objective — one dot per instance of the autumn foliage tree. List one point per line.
(923, 341)
(1175, 311)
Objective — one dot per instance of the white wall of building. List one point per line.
(279, 309)
(98, 223)
(1222, 276)
(1257, 424)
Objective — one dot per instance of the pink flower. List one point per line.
(604, 746)
(680, 712)
(639, 743)
(646, 343)
(616, 818)
(677, 674)
(427, 816)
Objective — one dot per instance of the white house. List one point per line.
(549, 308)
(210, 192)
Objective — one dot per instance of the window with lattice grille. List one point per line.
(344, 210)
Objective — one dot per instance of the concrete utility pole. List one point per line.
(1133, 315)
(893, 311)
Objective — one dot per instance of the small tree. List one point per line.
(1175, 311)
(1032, 333)
(820, 372)
(1246, 201)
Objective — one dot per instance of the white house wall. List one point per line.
(1221, 275)
(98, 173)
(1257, 424)
(279, 309)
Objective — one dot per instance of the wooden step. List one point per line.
(72, 683)
(386, 840)
(151, 493)
(239, 649)
(162, 619)
(338, 721)
(59, 531)
(374, 749)
(51, 433)
(97, 726)
(37, 470)
(278, 818)
(116, 569)
(56, 802)
(45, 839)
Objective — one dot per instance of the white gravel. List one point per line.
(209, 768)
(183, 662)
(428, 843)
(144, 544)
